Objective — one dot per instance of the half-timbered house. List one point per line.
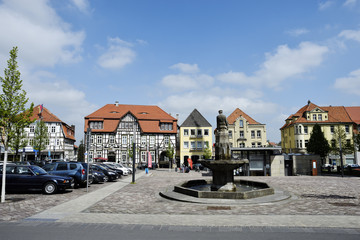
(114, 126)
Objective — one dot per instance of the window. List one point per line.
(124, 140)
(57, 142)
(206, 132)
(199, 145)
(95, 125)
(47, 142)
(241, 134)
(199, 132)
(73, 166)
(143, 156)
(91, 155)
(230, 134)
(53, 129)
(258, 134)
(333, 143)
(306, 143)
(123, 156)
(152, 140)
(242, 145)
(143, 140)
(320, 117)
(99, 139)
(332, 128)
(259, 144)
(241, 123)
(299, 130)
(166, 126)
(206, 144)
(192, 145)
(166, 140)
(297, 143)
(32, 128)
(253, 145)
(347, 129)
(112, 139)
(186, 145)
(252, 134)
(186, 132)
(61, 166)
(306, 129)
(99, 154)
(300, 144)
(31, 142)
(314, 117)
(192, 132)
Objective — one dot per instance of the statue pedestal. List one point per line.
(223, 173)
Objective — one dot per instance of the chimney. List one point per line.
(116, 103)
(177, 116)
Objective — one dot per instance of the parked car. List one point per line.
(33, 178)
(69, 169)
(96, 176)
(112, 168)
(117, 166)
(109, 174)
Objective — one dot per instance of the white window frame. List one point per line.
(186, 145)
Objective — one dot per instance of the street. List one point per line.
(77, 231)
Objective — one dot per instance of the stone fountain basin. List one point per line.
(263, 189)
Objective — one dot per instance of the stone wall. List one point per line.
(277, 165)
(302, 164)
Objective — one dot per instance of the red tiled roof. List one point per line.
(149, 117)
(337, 114)
(237, 113)
(354, 113)
(47, 116)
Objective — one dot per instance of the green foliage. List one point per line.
(19, 140)
(170, 151)
(81, 152)
(13, 112)
(357, 140)
(40, 136)
(207, 153)
(340, 136)
(317, 143)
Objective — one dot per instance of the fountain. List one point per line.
(223, 185)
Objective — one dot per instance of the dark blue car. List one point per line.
(33, 178)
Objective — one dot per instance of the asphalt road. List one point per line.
(51, 230)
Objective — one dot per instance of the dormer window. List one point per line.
(166, 126)
(96, 125)
(320, 117)
(314, 117)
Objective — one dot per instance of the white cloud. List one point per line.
(325, 5)
(298, 32)
(118, 55)
(350, 84)
(60, 97)
(351, 35)
(186, 68)
(43, 38)
(82, 5)
(180, 82)
(285, 63)
(350, 3)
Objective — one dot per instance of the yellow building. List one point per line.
(245, 132)
(195, 135)
(296, 132)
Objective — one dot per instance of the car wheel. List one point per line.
(106, 179)
(50, 188)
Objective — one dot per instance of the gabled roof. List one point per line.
(354, 113)
(148, 117)
(237, 113)
(336, 114)
(49, 117)
(195, 119)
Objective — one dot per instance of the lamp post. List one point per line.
(341, 158)
(88, 136)
(133, 156)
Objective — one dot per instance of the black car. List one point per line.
(118, 171)
(110, 175)
(34, 178)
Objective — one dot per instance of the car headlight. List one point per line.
(66, 181)
(96, 174)
(111, 173)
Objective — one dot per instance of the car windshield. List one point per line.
(38, 170)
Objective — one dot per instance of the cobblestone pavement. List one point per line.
(315, 196)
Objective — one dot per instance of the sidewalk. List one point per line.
(316, 202)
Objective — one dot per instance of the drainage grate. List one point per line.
(326, 196)
(218, 208)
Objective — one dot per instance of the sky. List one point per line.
(267, 58)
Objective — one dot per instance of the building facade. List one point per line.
(114, 126)
(354, 113)
(296, 132)
(61, 141)
(194, 136)
(245, 132)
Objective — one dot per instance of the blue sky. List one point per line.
(267, 58)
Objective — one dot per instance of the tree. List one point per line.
(19, 141)
(317, 143)
(40, 136)
(346, 146)
(357, 141)
(170, 154)
(13, 112)
(81, 152)
(207, 152)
